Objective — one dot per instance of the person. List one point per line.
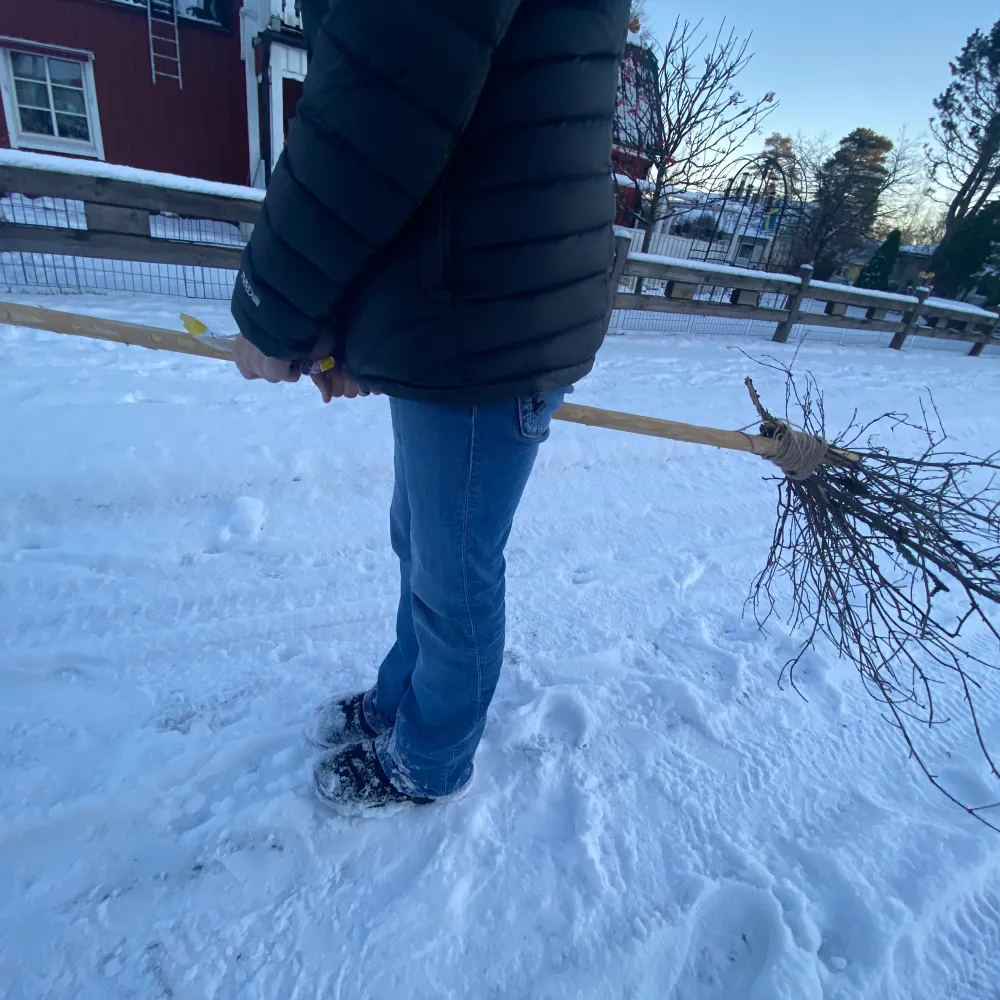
(441, 223)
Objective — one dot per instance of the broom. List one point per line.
(866, 542)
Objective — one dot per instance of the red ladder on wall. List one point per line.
(164, 43)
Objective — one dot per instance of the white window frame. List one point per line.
(49, 143)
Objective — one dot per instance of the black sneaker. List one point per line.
(340, 721)
(351, 781)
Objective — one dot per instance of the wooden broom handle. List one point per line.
(672, 430)
(114, 330)
(173, 340)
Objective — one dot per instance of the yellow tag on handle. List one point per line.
(193, 326)
(196, 328)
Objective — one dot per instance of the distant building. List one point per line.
(636, 126)
(912, 267)
(910, 271)
(737, 227)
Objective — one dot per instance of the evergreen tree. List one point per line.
(969, 258)
(877, 271)
(966, 161)
(850, 184)
(966, 158)
(781, 149)
(843, 202)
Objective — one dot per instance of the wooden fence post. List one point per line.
(910, 318)
(622, 246)
(784, 328)
(990, 338)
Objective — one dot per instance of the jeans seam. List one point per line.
(465, 568)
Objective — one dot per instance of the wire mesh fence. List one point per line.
(57, 212)
(22, 271)
(57, 273)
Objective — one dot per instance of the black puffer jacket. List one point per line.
(443, 209)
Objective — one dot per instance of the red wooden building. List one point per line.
(202, 88)
(637, 126)
(76, 77)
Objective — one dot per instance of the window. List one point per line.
(49, 103)
(217, 12)
(745, 251)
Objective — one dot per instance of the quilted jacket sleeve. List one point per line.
(391, 86)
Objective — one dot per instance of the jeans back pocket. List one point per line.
(534, 413)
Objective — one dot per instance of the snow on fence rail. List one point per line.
(66, 226)
(651, 283)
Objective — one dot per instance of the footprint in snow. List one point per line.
(732, 946)
(244, 525)
(565, 718)
(269, 859)
(556, 716)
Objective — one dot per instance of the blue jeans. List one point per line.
(460, 473)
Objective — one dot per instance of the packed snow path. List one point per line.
(189, 562)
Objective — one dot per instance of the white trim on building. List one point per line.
(287, 63)
(284, 62)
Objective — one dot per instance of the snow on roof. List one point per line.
(625, 181)
(112, 171)
(919, 249)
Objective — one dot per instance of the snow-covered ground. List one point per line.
(188, 562)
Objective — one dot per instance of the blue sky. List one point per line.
(835, 66)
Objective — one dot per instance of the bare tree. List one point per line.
(688, 118)
(919, 220)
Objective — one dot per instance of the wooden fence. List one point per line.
(119, 216)
(666, 285)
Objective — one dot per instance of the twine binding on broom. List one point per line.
(799, 453)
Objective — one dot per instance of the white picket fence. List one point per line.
(669, 246)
